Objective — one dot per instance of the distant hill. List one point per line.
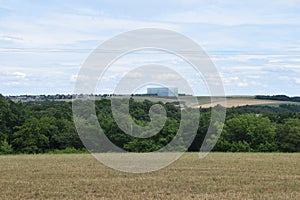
(278, 98)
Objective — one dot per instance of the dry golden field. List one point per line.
(240, 102)
(205, 101)
(217, 176)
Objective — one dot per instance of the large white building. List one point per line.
(163, 91)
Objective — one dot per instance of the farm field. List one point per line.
(204, 101)
(217, 176)
(241, 102)
(235, 101)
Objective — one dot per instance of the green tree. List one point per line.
(248, 132)
(30, 137)
(5, 148)
(288, 136)
(66, 136)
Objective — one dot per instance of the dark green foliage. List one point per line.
(5, 148)
(248, 132)
(11, 115)
(30, 137)
(40, 127)
(278, 98)
(288, 136)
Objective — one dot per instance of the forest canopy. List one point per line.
(41, 127)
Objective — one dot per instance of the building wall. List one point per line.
(163, 92)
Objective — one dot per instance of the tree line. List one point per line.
(278, 98)
(41, 127)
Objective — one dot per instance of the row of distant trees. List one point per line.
(40, 127)
(278, 98)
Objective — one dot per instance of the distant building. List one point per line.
(163, 92)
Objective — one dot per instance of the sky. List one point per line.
(255, 45)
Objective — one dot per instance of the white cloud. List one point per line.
(63, 29)
(251, 45)
(284, 78)
(228, 79)
(73, 77)
(242, 84)
(134, 75)
(234, 13)
(168, 76)
(12, 83)
(253, 77)
(297, 80)
(240, 58)
(11, 38)
(20, 75)
(243, 68)
(12, 75)
(285, 60)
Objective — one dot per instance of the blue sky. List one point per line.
(254, 44)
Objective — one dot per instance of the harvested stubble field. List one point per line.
(217, 176)
(242, 102)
